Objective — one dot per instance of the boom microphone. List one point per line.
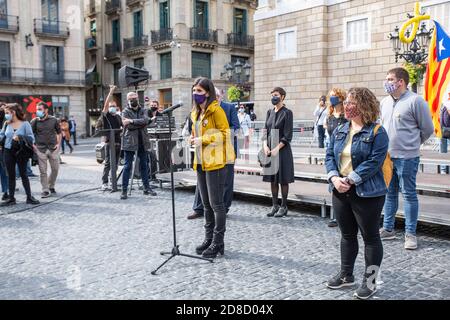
(170, 109)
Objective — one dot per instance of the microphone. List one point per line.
(170, 109)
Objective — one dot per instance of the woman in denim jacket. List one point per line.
(354, 160)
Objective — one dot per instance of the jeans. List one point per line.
(3, 175)
(74, 135)
(48, 182)
(403, 179)
(107, 167)
(210, 185)
(353, 213)
(63, 142)
(10, 161)
(143, 167)
(321, 133)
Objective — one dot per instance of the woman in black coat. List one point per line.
(277, 146)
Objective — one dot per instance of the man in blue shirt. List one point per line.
(233, 120)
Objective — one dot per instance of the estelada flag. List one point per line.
(437, 77)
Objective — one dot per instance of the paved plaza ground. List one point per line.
(93, 245)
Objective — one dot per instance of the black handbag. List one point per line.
(263, 159)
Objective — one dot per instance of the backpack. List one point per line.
(388, 166)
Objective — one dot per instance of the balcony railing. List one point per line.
(112, 6)
(38, 76)
(9, 24)
(132, 43)
(93, 79)
(241, 40)
(53, 29)
(162, 35)
(204, 34)
(131, 3)
(91, 43)
(112, 49)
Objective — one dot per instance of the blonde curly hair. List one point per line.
(340, 93)
(367, 103)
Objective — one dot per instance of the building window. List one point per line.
(115, 25)
(116, 67)
(3, 14)
(164, 15)
(50, 16)
(166, 65)
(139, 63)
(286, 43)
(240, 21)
(357, 33)
(439, 12)
(201, 65)
(60, 105)
(5, 61)
(201, 15)
(137, 25)
(53, 58)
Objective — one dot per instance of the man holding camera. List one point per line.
(135, 139)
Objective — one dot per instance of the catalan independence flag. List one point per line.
(437, 77)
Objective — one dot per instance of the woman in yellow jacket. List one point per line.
(213, 150)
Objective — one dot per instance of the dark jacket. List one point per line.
(110, 121)
(130, 137)
(445, 117)
(368, 154)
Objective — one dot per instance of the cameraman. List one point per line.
(110, 119)
(135, 139)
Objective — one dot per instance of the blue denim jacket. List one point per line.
(368, 154)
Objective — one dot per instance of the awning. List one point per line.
(91, 68)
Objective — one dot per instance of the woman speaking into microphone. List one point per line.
(213, 150)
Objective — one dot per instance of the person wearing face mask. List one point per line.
(407, 119)
(15, 133)
(3, 175)
(211, 137)
(135, 139)
(277, 145)
(109, 119)
(245, 124)
(47, 132)
(321, 113)
(334, 119)
(354, 161)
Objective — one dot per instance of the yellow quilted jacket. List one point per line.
(216, 150)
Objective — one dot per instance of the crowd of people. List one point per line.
(40, 140)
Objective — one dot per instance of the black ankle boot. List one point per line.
(213, 250)
(206, 243)
(32, 200)
(11, 201)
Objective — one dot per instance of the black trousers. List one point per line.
(107, 167)
(321, 133)
(211, 185)
(10, 162)
(353, 213)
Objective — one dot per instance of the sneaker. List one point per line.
(195, 215)
(364, 292)
(52, 191)
(387, 235)
(333, 223)
(45, 194)
(341, 280)
(410, 242)
(281, 212)
(104, 187)
(273, 211)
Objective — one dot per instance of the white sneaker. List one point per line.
(410, 242)
(104, 187)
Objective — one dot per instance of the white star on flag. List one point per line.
(441, 46)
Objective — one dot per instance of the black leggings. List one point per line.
(353, 213)
(10, 162)
(284, 193)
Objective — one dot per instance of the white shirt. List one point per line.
(323, 115)
(245, 123)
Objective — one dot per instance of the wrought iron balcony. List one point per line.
(204, 35)
(9, 24)
(51, 28)
(112, 7)
(162, 35)
(38, 76)
(112, 50)
(133, 3)
(241, 40)
(132, 43)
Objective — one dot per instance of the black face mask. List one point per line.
(134, 103)
(153, 109)
(2, 115)
(275, 100)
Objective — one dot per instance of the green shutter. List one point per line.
(201, 65)
(164, 15)
(137, 20)
(244, 21)
(166, 65)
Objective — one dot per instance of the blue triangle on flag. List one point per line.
(442, 43)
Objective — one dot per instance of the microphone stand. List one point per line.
(175, 250)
